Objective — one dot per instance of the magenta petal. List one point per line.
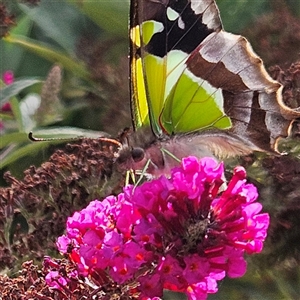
(252, 209)
(237, 267)
(190, 164)
(251, 192)
(211, 168)
(55, 280)
(63, 243)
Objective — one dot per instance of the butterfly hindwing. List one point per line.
(189, 75)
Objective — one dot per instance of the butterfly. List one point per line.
(196, 89)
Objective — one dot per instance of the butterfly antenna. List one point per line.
(124, 134)
(36, 139)
(113, 141)
(103, 139)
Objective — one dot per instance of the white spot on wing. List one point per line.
(172, 14)
(200, 6)
(209, 12)
(181, 24)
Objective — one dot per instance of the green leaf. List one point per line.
(59, 21)
(16, 87)
(12, 57)
(54, 134)
(6, 116)
(57, 134)
(15, 107)
(112, 16)
(15, 137)
(13, 156)
(50, 53)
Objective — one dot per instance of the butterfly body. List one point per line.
(196, 89)
(163, 152)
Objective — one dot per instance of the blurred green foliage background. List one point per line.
(89, 41)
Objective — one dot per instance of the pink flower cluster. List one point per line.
(183, 233)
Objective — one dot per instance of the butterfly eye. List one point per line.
(137, 154)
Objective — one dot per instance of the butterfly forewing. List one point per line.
(169, 32)
(190, 75)
(139, 106)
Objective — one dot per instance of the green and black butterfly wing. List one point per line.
(189, 75)
(166, 35)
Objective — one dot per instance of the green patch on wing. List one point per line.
(155, 73)
(149, 28)
(179, 101)
(141, 114)
(192, 105)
